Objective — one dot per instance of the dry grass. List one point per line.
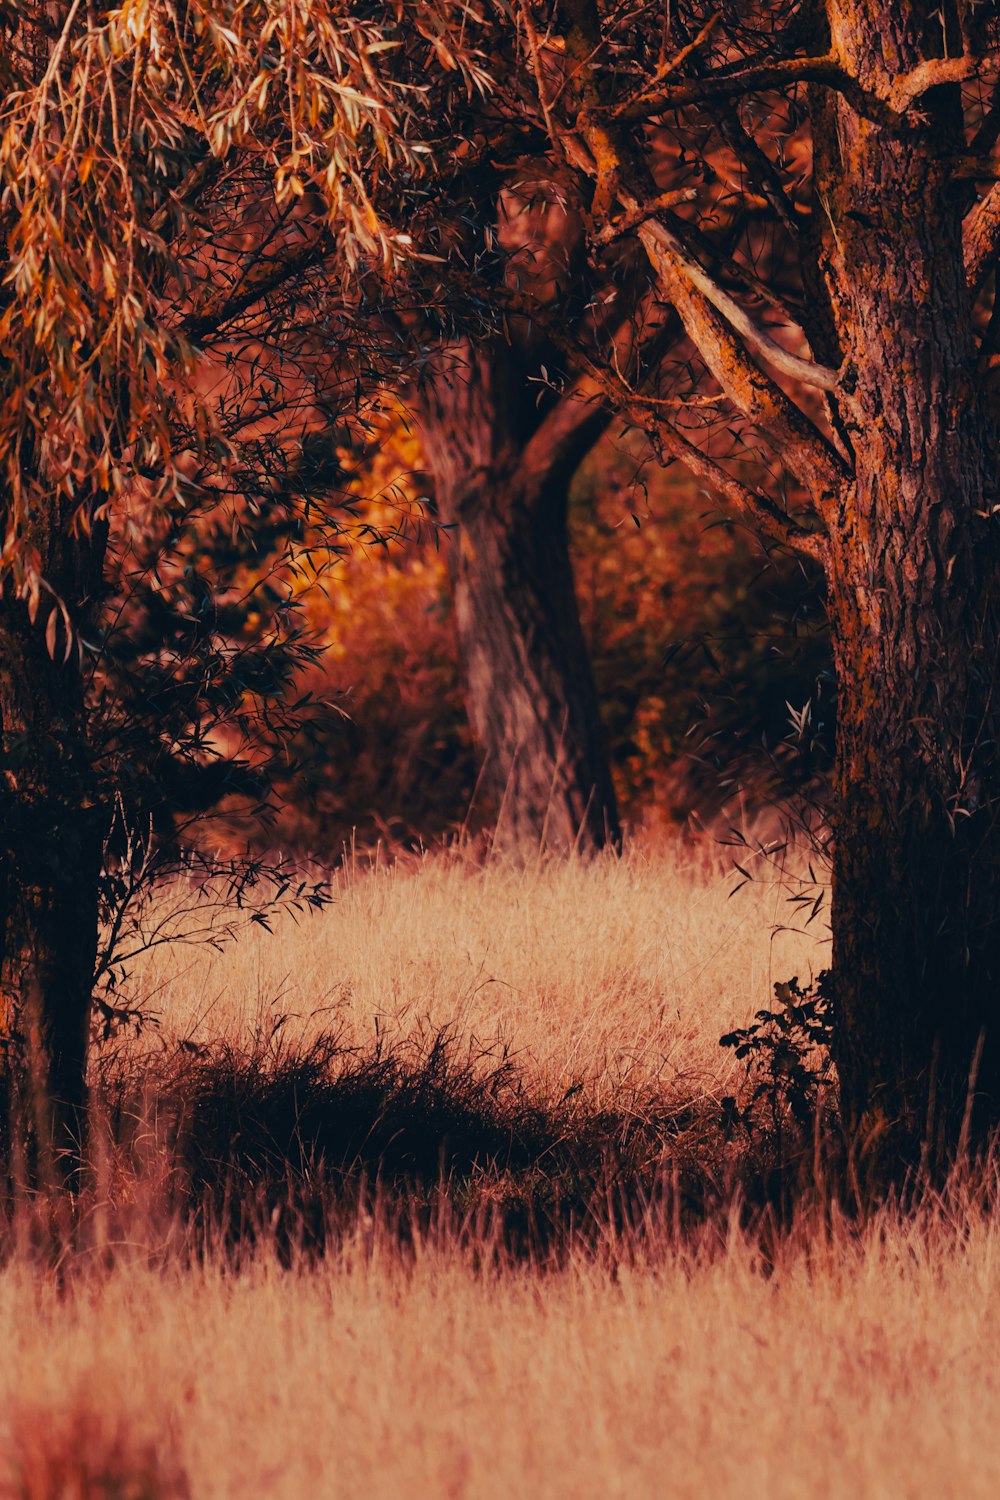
(845, 1361)
(852, 1369)
(619, 976)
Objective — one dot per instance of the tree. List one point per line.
(850, 348)
(502, 476)
(113, 123)
(501, 447)
(506, 418)
(842, 344)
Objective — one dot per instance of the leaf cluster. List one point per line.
(787, 1055)
(114, 123)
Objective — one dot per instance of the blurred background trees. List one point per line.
(703, 646)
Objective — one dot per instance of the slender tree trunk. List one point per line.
(530, 692)
(914, 587)
(51, 836)
(529, 688)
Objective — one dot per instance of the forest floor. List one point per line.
(428, 1195)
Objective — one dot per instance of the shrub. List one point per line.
(788, 1059)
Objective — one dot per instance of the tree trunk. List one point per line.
(914, 588)
(51, 836)
(530, 691)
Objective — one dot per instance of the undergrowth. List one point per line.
(295, 1139)
(789, 1064)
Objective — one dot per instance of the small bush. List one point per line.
(788, 1058)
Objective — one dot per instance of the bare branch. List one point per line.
(531, 33)
(910, 87)
(640, 213)
(828, 70)
(793, 365)
(736, 85)
(760, 399)
(976, 169)
(677, 61)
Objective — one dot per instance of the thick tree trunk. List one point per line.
(51, 833)
(914, 587)
(530, 691)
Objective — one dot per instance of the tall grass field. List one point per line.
(431, 1195)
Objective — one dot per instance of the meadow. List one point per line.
(417, 1348)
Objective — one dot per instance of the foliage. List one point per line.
(194, 698)
(169, 177)
(701, 642)
(788, 1059)
(384, 750)
(114, 121)
(152, 895)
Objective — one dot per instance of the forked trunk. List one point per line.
(914, 587)
(530, 691)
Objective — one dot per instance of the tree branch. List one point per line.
(640, 213)
(197, 179)
(982, 239)
(801, 445)
(761, 172)
(828, 70)
(763, 402)
(199, 326)
(599, 382)
(794, 366)
(766, 517)
(988, 133)
(567, 432)
(582, 413)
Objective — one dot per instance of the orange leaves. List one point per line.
(302, 87)
(110, 127)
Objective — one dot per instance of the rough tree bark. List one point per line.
(914, 588)
(901, 485)
(530, 692)
(51, 835)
